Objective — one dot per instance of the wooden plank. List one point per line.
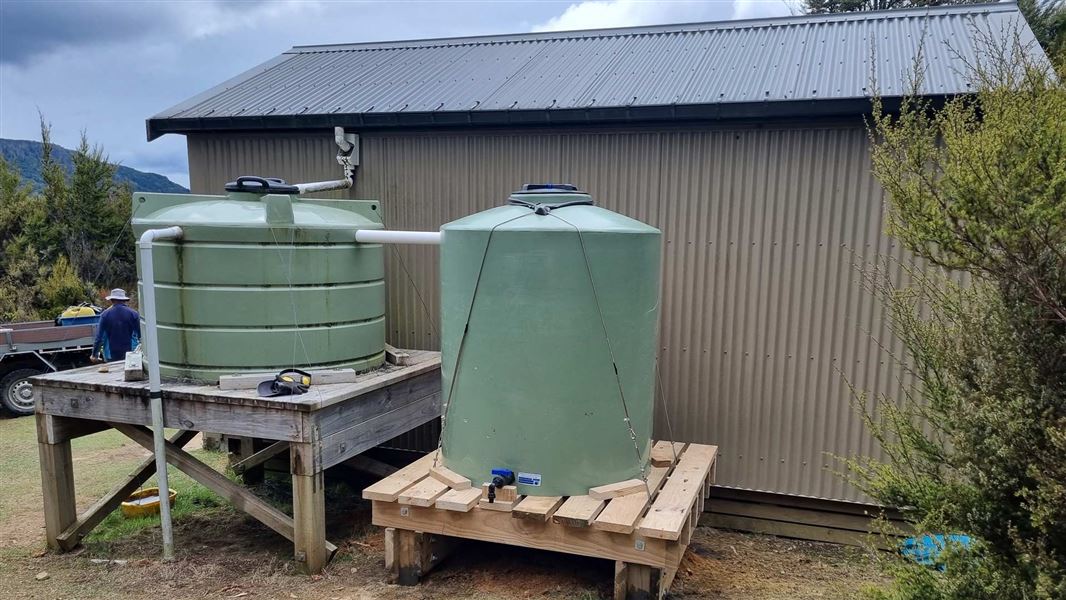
(507, 493)
(341, 416)
(103, 507)
(260, 457)
(449, 477)
(621, 514)
(251, 381)
(241, 498)
(423, 493)
(196, 415)
(57, 487)
(798, 531)
(663, 453)
(803, 503)
(669, 513)
(53, 429)
(578, 511)
(860, 523)
(355, 440)
(309, 523)
(88, 380)
(501, 528)
(395, 356)
(499, 505)
(619, 489)
(537, 508)
(389, 489)
(459, 500)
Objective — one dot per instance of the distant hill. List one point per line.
(25, 156)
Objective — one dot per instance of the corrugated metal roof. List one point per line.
(704, 70)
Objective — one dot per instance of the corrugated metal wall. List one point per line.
(764, 319)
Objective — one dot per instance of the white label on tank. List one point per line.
(529, 478)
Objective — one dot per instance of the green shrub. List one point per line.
(977, 187)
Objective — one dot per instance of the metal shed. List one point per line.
(743, 141)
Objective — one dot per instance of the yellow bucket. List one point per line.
(144, 502)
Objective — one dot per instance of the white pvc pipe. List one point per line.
(324, 186)
(155, 393)
(381, 236)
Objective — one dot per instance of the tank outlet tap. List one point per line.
(500, 478)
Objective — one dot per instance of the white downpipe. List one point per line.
(382, 236)
(155, 394)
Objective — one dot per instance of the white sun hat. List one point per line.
(117, 294)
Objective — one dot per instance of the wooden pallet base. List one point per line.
(646, 534)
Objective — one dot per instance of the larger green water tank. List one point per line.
(262, 282)
(541, 307)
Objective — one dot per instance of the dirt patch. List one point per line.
(724, 564)
(226, 555)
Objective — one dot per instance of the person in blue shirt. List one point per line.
(119, 330)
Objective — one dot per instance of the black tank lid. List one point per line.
(261, 185)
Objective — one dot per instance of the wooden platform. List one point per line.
(326, 426)
(645, 533)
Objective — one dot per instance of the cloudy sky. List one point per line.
(104, 67)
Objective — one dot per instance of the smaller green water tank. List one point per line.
(549, 322)
(262, 282)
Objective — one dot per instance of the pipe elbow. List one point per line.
(165, 233)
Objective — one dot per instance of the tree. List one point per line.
(1047, 18)
(978, 187)
(841, 6)
(19, 260)
(59, 245)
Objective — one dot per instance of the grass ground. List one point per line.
(224, 554)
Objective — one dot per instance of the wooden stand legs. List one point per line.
(409, 555)
(640, 582)
(309, 518)
(57, 482)
(65, 528)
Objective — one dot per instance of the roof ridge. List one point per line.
(691, 27)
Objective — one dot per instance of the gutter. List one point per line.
(670, 113)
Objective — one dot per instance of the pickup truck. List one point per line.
(32, 348)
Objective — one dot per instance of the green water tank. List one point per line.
(261, 282)
(543, 301)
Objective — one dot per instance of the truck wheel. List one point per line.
(16, 391)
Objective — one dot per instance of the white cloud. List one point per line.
(215, 18)
(756, 9)
(597, 14)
